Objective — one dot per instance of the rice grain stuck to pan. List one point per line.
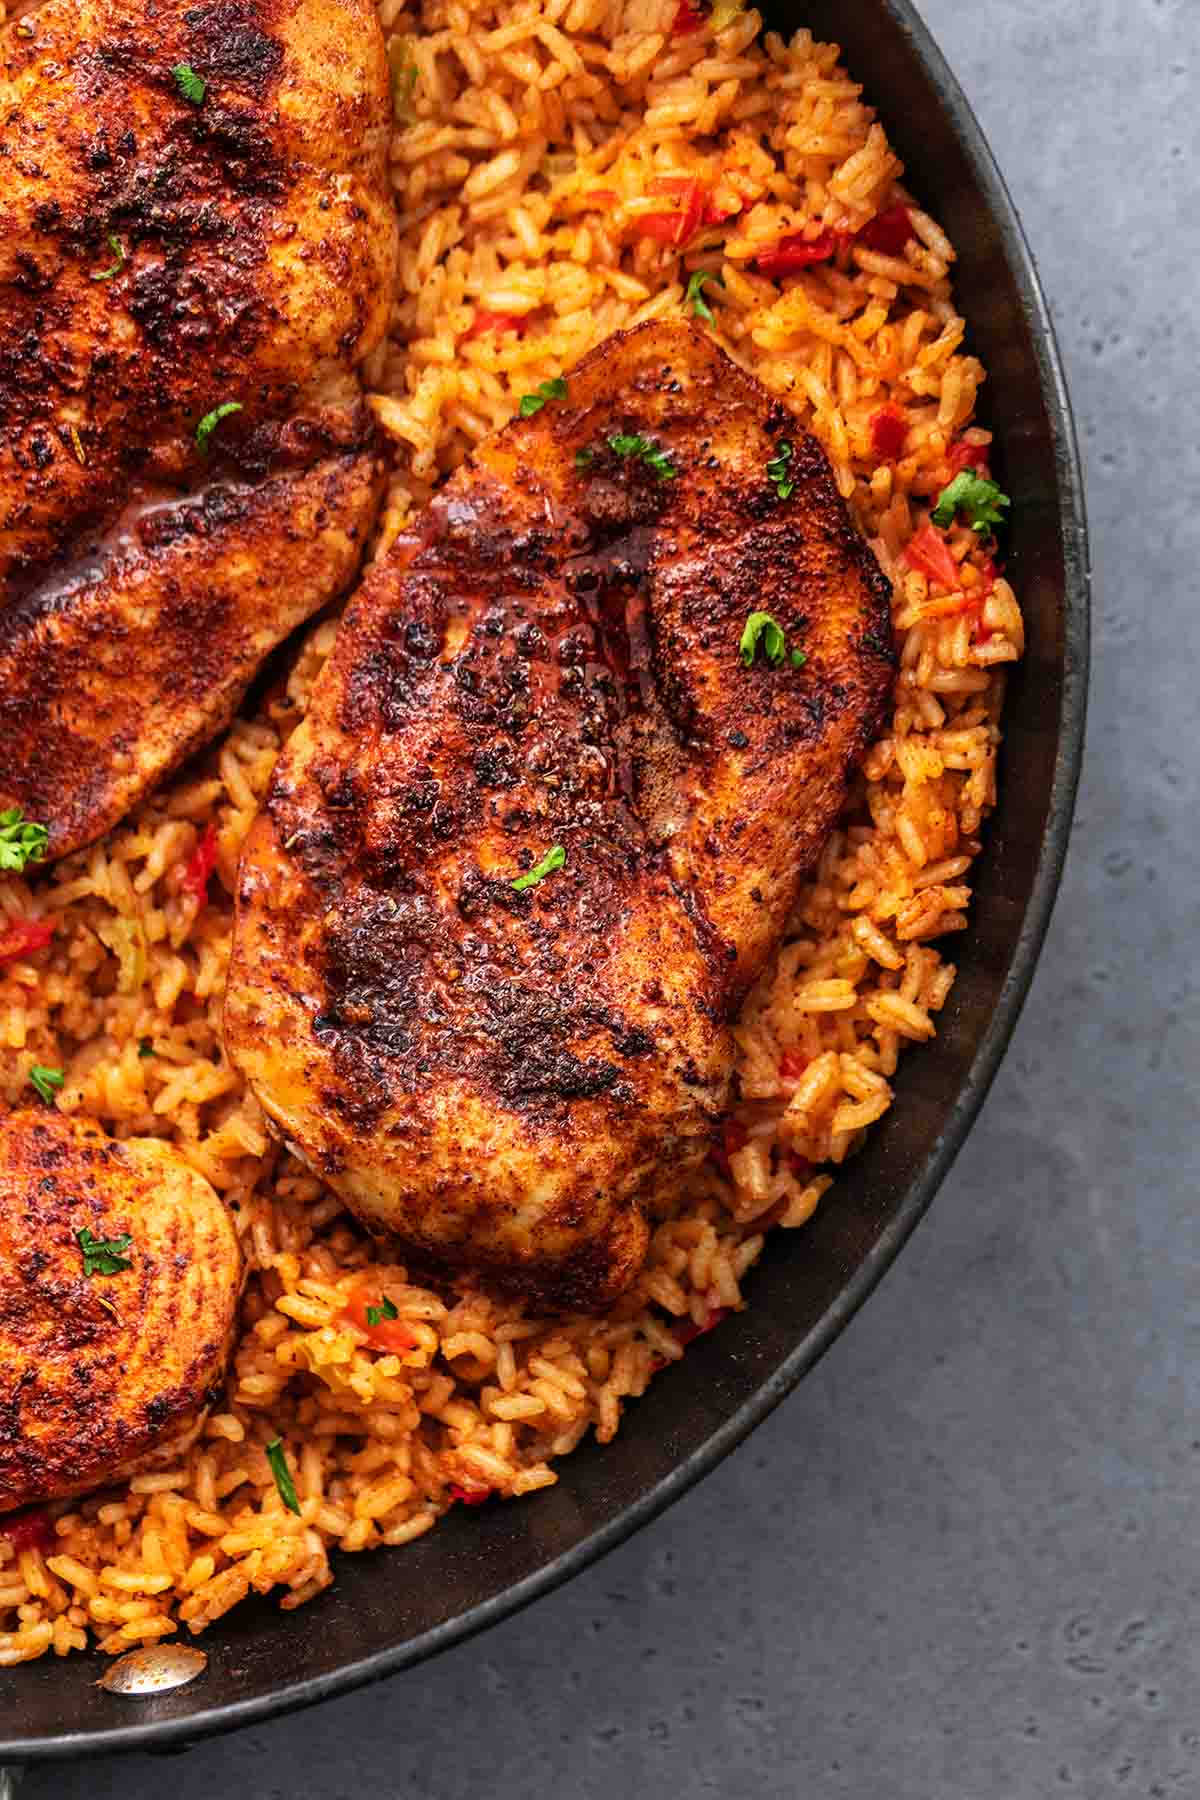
(562, 169)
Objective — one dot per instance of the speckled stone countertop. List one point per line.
(963, 1561)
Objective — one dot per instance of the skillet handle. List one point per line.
(10, 1775)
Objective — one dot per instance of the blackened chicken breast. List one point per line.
(196, 251)
(120, 1275)
(543, 825)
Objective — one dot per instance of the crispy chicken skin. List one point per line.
(509, 1079)
(102, 1375)
(161, 258)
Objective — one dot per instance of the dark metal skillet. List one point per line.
(389, 1611)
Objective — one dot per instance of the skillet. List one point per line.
(391, 1610)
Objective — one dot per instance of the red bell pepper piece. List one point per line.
(201, 864)
(674, 227)
(388, 1334)
(688, 18)
(29, 1529)
(968, 456)
(888, 432)
(469, 1496)
(796, 252)
(792, 1064)
(928, 552)
(493, 321)
(22, 937)
(887, 232)
(982, 633)
(687, 1333)
(734, 1137)
(664, 228)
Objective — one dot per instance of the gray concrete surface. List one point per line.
(963, 1562)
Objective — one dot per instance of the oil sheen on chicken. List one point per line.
(510, 1077)
(104, 1369)
(194, 215)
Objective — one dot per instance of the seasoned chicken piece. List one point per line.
(508, 1068)
(194, 216)
(119, 1282)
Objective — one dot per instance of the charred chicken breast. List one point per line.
(196, 250)
(543, 823)
(119, 1282)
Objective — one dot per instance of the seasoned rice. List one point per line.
(532, 138)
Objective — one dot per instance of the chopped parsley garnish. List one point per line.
(118, 250)
(190, 85)
(630, 444)
(404, 83)
(761, 628)
(282, 1474)
(974, 495)
(555, 389)
(385, 1310)
(46, 1081)
(553, 859)
(145, 1047)
(695, 297)
(583, 458)
(21, 840)
(104, 1256)
(210, 421)
(777, 471)
(404, 80)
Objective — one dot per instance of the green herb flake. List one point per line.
(549, 390)
(404, 79)
(46, 1081)
(118, 250)
(631, 444)
(210, 421)
(404, 83)
(798, 659)
(553, 859)
(584, 459)
(761, 628)
(777, 471)
(104, 1256)
(974, 495)
(385, 1310)
(695, 296)
(282, 1474)
(145, 1048)
(22, 841)
(190, 85)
